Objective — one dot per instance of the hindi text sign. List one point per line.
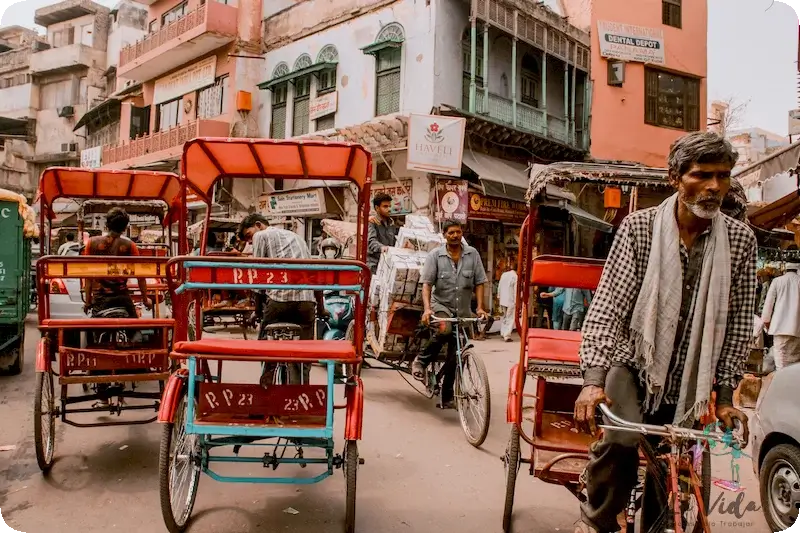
(400, 193)
(323, 105)
(451, 200)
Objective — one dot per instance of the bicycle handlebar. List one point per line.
(457, 320)
(670, 431)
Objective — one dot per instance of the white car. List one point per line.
(775, 430)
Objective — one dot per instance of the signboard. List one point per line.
(500, 209)
(794, 122)
(92, 157)
(400, 193)
(184, 81)
(293, 203)
(323, 105)
(436, 144)
(639, 44)
(452, 198)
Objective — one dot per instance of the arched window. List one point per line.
(302, 96)
(277, 126)
(388, 61)
(304, 61)
(326, 83)
(466, 58)
(531, 77)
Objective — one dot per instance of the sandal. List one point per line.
(418, 371)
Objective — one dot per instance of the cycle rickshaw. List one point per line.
(102, 354)
(556, 452)
(202, 412)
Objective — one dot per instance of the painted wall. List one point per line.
(356, 71)
(129, 26)
(618, 130)
(17, 102)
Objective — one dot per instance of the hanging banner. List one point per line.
(190, 79)
(436, 144)
(639, 44)
(452, 198)
(400, 193)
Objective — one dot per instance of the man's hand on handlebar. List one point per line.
(482, 314)
(729, 415)
(148, 303)
(585, 406)
(426, 317)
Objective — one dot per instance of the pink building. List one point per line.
(648, 72)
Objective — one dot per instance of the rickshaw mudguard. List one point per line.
(171, 396)
(355, 409)
(512, 405)
(43, 355)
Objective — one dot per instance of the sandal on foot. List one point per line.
(418, 371)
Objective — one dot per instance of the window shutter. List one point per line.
(651, 97)
(71, 35)
(277, 129)
(692, 88)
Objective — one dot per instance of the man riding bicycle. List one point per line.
(670, 322)
(451, 274)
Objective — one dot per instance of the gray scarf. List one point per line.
(656, 313)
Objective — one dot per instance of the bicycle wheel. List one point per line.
(511, 464)
(693, 522)
(474, 398)
(351, 462)
(178, 471)
(44, 420)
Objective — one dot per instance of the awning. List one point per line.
(109, 107)
(781, 161)
(778, 213)
(313, 69)
(583, 218)
(506, 179)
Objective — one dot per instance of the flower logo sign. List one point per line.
(434, 134)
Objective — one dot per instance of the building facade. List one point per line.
(648, 72)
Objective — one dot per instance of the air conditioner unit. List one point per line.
(69, 147)
(66, 111)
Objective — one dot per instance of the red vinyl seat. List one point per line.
(554, 345)
(90, 323)
(314, 350)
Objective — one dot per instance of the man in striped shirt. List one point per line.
(282, 305)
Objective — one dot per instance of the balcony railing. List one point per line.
(163, 140)
(15, 59)
(529, 118)
(161, 37)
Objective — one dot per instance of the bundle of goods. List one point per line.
(30, 229)
(344, 232)
(418, 239)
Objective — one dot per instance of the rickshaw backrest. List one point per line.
(566, 272)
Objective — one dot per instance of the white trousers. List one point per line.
(786, 349)
(507, 325)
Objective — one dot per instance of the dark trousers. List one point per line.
(443, 334)
(301, 313)
(101, 303)
(612, 471)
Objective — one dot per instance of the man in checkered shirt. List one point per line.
(614, 368)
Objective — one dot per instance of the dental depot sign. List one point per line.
(436, 144)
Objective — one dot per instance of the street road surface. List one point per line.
(419, 476)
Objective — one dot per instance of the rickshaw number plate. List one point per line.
(271, 276)
(84, 359)
(254, 400)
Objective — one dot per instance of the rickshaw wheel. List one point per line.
(478, 394)
(44, 420)
(351, 462)
(174, 449)
(511, 463)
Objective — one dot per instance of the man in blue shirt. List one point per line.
(575, 308)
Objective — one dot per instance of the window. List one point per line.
(671, 13)
(86, 34)
(671, 100)
(327, 81)
(301, 105)
(530, 80)
(140, 121)
(63, 37)
(214, 100)
(277, 127)
(327, 122)
(173, 14)
(169, 114)
(153, 26)
(387, 82)
(56, 95)
(83, 90)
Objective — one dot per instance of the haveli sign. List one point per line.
(400, 193)
(639, 44)
(436, 144)
(500, 209)
(192, 78)
(452, 197)
(293, 203)
(323, 105)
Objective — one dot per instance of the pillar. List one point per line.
(485, 106)
(573, 137)
(473, 45)
(544, 81)
(514, 73)
(566, 100)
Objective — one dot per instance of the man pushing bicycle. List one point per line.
(670, 322)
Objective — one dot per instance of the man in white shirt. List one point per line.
(507, 296)
(781, 316)
(70, 247)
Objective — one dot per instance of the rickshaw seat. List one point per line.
(91, 323)
(554, 345)
(313, 350)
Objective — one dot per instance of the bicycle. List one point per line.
(675, 472)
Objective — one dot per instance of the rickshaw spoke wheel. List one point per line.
(351, 463)
(44, 420)
(474, 398)
(511, 463)
(179, 471)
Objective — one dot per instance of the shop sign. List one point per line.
(639, 44)
(92, 157)
(144, 220)
(400, 193)
(452, 198)
(323, 105)
(436, 144)
(293, 204)
(190, 79)
(500, 209)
